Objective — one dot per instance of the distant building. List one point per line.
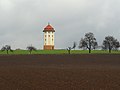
(48, 37)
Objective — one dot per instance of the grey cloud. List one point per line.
(22, 22)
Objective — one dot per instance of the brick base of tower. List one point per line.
(48, 47)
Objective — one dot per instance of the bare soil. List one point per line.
(60, 72)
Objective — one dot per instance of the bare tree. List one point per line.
(110, 43)
(7, 48)
(31, 48)
(74, 45)
(70, 48)
(89, 42)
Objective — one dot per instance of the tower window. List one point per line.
(52, 35)
(45, 39)
(45, 35)
(48, 35)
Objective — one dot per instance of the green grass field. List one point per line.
(60, 52)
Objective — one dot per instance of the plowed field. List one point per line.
(60, 72)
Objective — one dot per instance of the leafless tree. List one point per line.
(7, 48)
(89, 42)
(70, 48)
(31, 48)
(110, 43)
(74, 45)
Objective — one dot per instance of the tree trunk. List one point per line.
(109, 50)
(7, 52)
(69, 51)
(89, 46)
(89, 50)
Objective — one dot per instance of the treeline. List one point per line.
(89, 43)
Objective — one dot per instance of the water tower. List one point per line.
(49, 37)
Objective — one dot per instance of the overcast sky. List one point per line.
(22, 21)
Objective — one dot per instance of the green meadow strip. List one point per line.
(60, 52)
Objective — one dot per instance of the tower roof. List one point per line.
(49, 28)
